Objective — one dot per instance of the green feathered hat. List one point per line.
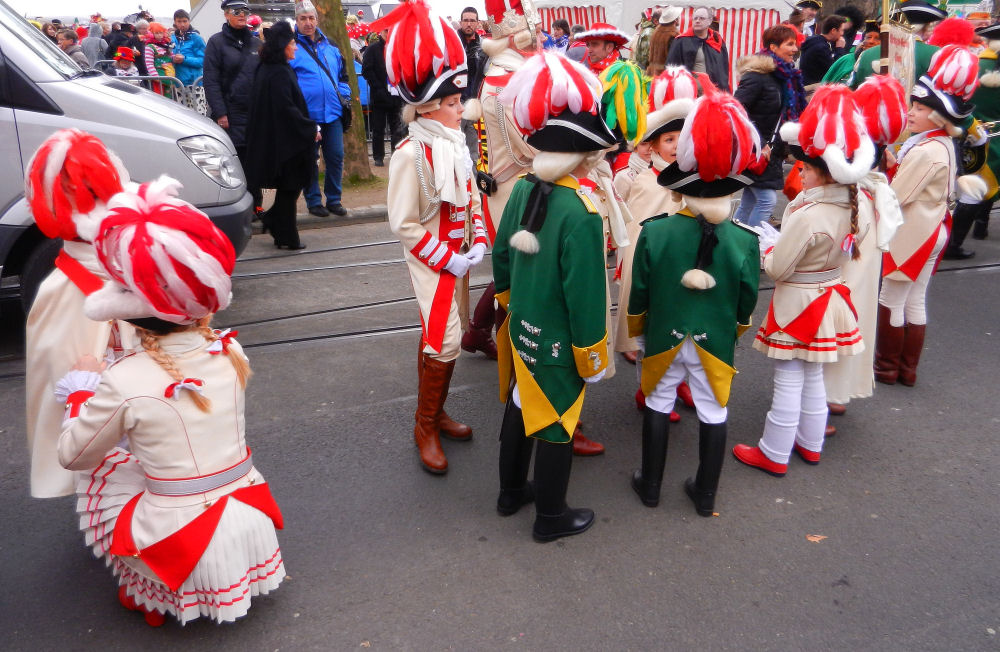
(623, 104)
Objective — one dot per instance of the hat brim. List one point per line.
(951, 107)
(449, 82)
(990, 32)
(692, 185)
(921, 13)
(580, 132)
(616, 37)
(670, 14)
(670, 117)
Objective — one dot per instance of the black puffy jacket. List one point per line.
(760, 93)
(230, 63)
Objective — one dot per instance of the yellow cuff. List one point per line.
(592, 359)
(636, 324)
(503, 298)
(743, 328)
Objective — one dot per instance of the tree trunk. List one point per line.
(331, 21)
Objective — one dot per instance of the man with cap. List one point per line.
(229, 65)
(603, 44)
(976, 215)
(689, 319)
(189, 49)
(322, 75)
(701, 49)
(548, 262)
(921, 16)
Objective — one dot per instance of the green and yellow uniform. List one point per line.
(555, 333)
(667, 313)
(922, 53)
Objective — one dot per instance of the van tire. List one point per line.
(39, 265)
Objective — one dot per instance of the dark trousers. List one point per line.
(379, 119)
(280, 219)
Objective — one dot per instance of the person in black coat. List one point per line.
(281, 137)
(820, 51)
(230, 62)
(701, 49)
(385, 107)
(771, 91)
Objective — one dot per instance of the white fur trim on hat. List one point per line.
(789, 132)
(674, 110)
(846, 172)
(115, 301)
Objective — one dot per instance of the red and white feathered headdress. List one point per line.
(716, 144)
(555, 103)
(424, 56)
(70, 179)
(883, 105)
(955, 70)
(833, 130)
(165, 258)
(603, 32)
(671, 97)
(953, 31)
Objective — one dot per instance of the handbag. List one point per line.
(346, 116)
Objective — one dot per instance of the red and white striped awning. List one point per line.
(740, 28)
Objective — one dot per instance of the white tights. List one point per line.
(798, 410)
(907, 300)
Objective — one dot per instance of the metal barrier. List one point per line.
(191, 96)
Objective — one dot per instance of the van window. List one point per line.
(34, 39)
(24, 93)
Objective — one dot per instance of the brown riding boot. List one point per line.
(430, 398)
(449, 427)
(446, 425)
(913, 344)
(888, 348)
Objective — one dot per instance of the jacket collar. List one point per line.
(320, 36)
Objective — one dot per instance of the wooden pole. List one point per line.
(884, 46)
(331, 20)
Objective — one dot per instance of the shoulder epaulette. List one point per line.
(744, 227)
(654, 218)
(403, 142)
(587, 201)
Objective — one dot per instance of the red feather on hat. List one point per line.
(69, 174)
(955, 70)
(953, 31)
(545, 86)
(718, 138)
(673, 83)
(883, 106)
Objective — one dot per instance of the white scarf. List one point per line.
(910, 143)
(450, 158)
(658, 163)
(618, 212)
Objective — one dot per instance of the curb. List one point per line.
(363, 215)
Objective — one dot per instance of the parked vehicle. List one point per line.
(42, 90)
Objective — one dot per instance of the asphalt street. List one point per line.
(889, 544)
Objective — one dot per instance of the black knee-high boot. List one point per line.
(655, 435)
(961, 222)
(553, 518)
(702, 488)
(981, 227)
(515, 458)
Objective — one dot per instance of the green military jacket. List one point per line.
(555, 333)
(987, 101)
(667, 313)
(922, 53)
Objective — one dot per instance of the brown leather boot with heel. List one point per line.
(888, 348)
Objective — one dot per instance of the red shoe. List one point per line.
(155, 618)
(836, 409)
(640, 400)
(753, 456)
(808, 456)
(830, 431)
(583, 447)
(674, 417)
(126, 600)
(630, 356)
(479, 339)
(684, 394)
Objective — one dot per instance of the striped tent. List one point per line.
(740, 24)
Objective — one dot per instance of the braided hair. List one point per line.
(852, 190)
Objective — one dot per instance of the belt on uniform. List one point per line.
(824, 276)
(201, 484)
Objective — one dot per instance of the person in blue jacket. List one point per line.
(322, 76)
(189, 49)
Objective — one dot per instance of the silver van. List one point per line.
(43, 90)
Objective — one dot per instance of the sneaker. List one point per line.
(379, 164)
(318, 211)
(336, 209)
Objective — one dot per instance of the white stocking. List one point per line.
(782, 420)
(812, 420)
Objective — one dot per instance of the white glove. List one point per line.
(596, 378)
(641, 341)
(458, 265)
(768, 236)
(476, 253)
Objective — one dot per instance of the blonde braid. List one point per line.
(853, 191)
(240, 364)
(151, 343)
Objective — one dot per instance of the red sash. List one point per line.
(804, 326)
(911, 267)
(84, 279)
